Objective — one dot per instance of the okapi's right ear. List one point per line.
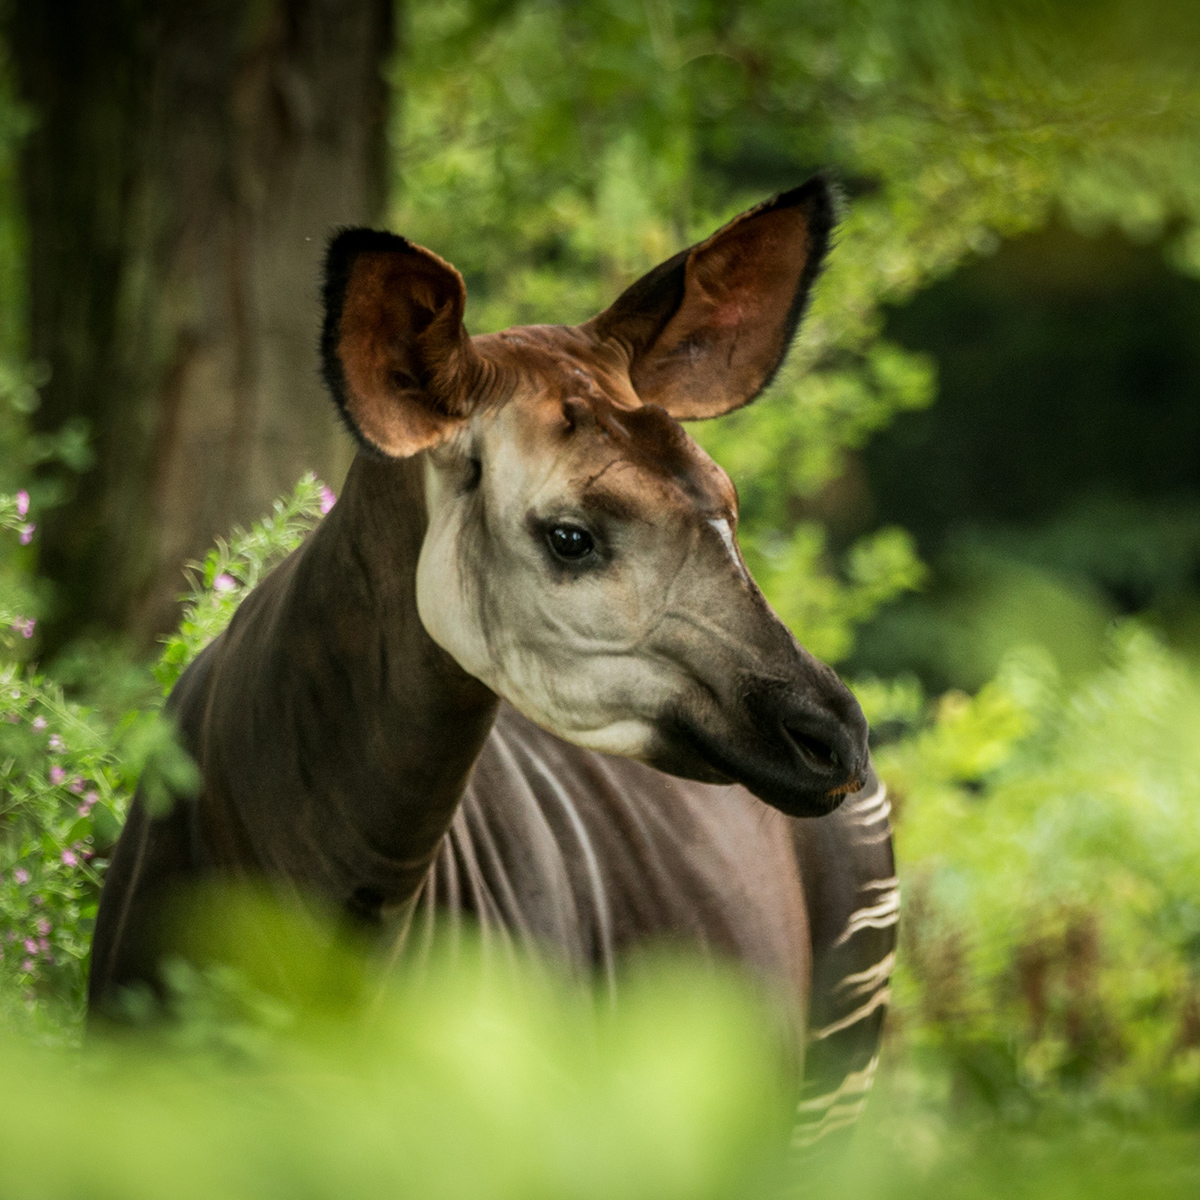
(394, 350)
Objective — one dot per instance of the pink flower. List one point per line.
(43, 926)
(30, 946)
(27, 966)
(21, 875)
(76, 785)
(328, 500)
(24, 626)
(38, 723)
(57, 775)
(22, 502)
(56, 743)
(43, 945)
(27, 532)
(69, 858)
(224, 583)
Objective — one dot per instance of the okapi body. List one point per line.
(520, 673)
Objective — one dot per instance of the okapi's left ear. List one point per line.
(707, 330)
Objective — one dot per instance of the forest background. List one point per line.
(975, 488)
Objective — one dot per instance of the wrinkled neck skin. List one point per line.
(374, 728)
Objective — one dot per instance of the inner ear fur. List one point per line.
(706, 331)
(394, 351)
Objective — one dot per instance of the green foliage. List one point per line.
(481, 1078)
(1050, 847)
(68, 772)
(456, 1081)
(555, 152)
(1046, 1032)
(233, 568)
(66, 775)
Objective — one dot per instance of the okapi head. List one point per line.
(581, 556)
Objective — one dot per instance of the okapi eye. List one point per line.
(569, 541)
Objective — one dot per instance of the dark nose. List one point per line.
(820, 732)
(830, 744)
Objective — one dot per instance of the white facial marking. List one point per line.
(722, 527)
(595, 654)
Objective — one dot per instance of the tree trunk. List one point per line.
(190, 161)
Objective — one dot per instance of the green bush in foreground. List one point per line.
(458, 1081)
(469, 1078)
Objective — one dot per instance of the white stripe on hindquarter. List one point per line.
(835, 1109)
(872, 809)
(878, 1000)
(882, 914)
(862, 982)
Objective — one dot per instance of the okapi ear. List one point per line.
(707, 330)
(394, 350)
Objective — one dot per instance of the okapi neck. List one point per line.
(374, 728)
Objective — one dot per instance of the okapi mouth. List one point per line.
(796, 771)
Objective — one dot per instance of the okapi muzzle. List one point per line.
(580, 556)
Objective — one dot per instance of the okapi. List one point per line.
(520, 672)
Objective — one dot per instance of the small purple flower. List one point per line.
(27, 532)
(43, 945)
(76, 785)
(57, 744)
(57, 775)
(22, 502)
(30, 946)
(328, 499)
(24, 626)
(224, 583)
(21, 875)
(68, 857)
(27, 966)
(43, 926)
(38, 723)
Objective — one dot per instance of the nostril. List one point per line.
(814, 747)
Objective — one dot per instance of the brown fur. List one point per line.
(347, 724)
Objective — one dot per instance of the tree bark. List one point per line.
(188, 166)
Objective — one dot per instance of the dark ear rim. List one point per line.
(343, 251)
(662, 289)
(821, 196)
